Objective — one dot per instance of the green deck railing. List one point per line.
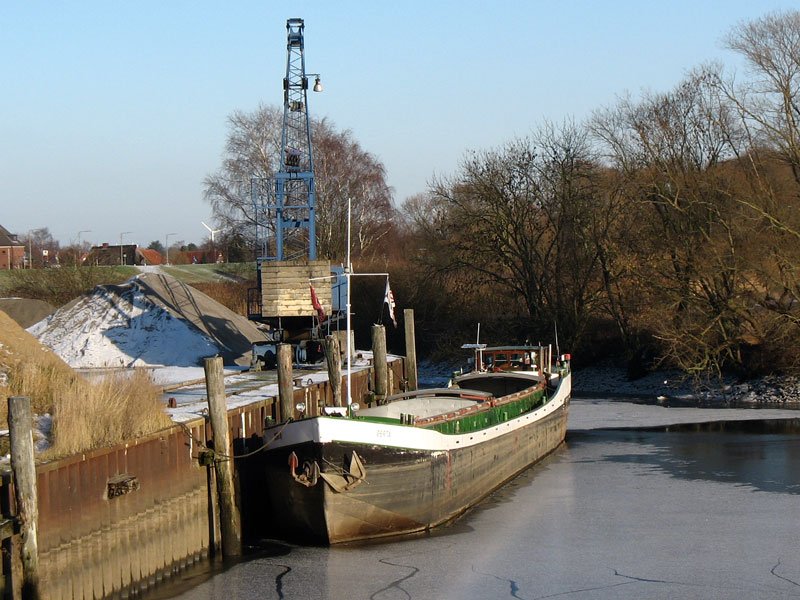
(480, 419)
(491, 416)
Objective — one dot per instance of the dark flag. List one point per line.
(316, 304)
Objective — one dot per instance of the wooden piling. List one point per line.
(412, 380)
(380, 366)
(347, 350)
(333, 356)
(20, 424)
(285, 383)
(230, 522)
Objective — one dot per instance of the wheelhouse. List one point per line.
(511, 358)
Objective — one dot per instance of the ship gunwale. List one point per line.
(326, 429)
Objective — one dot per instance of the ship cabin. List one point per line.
(511, 358)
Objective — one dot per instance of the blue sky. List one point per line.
(113, 113)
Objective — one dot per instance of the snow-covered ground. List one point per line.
(150, 320)
(245, 388)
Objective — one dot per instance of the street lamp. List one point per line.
(166, 245)
(120, 246)
(317, 81)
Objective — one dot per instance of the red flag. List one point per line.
(388, 298)
(316, 304)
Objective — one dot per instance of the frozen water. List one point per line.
(611, 515)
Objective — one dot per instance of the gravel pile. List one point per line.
(151, 320)
(770, 391)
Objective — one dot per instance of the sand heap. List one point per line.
(25, 311)
(17, 346)
(150, 320)
(28, 368)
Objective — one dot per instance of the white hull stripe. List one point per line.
(332, 429)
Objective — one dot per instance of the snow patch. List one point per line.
(118, 326)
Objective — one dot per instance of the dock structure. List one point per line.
(116, 522)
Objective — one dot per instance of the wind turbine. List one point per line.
(211, 231)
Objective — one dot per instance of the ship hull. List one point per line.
(413, 479)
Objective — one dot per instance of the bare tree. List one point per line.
(518, 220)
(342, 170)
(677, 154)
(42, 248)
(345, 171)
(768, 99)
(767, 102)
(252, 151)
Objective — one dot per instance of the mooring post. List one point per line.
(285, 383)
(23, 467)
(411, 350)
(379, 365)
(348, 349)
(230, 522)
(334, 359)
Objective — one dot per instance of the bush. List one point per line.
(59, 286)
(121, 407)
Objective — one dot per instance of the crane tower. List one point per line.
(285, 205)
(286, 213)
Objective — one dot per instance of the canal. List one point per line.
(663, 508)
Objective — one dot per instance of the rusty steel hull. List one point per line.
(405, 489)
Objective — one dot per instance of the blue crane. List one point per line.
(288, 209)
(284, 206)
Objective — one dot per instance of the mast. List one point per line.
(347, 272)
